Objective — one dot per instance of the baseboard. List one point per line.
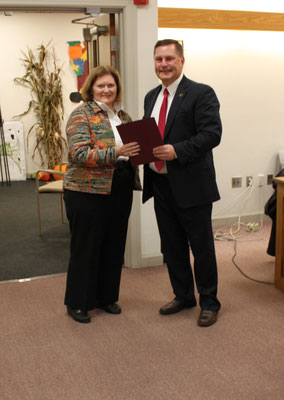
(157, 259)
(152, 261)
(149, 261)
(229, 221)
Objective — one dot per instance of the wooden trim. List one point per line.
(279, 257)
(219, 19)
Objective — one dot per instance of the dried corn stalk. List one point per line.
(46, 103)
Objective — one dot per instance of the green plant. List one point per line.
(46, 103)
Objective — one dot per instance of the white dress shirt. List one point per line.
(114, 121)
(172, 88)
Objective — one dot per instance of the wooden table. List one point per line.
(279, 259)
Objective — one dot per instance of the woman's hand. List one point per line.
(128, 150)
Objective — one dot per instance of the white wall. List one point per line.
(19, 32)
(246, 70)
(150, 242)
(138, 33)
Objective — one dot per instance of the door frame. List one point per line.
(129, 74)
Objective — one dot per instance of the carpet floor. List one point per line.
(23, 253)
(139, 354)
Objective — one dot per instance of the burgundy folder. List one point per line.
(146, 133)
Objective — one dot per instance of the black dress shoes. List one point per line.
(207, 317)
(111, 308)
(79, 315)
(174, 307)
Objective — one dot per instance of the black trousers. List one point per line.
(98, 225)
(180, 228)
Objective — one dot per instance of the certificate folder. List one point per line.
(146, 133)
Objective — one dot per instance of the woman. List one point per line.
(98, 190)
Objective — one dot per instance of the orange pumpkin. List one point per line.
(59, 168)
(43, 176)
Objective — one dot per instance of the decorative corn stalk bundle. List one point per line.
(46, 103)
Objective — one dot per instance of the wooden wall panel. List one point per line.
(219, 19)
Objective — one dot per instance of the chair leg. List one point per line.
(38, 213)
(62, 208)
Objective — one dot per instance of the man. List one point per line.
(184, 186)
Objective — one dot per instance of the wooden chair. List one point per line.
(55, 187)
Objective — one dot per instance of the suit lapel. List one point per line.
(177, 100)
(151, 102)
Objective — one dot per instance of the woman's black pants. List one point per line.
(98, 225)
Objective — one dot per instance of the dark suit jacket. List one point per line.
(194, 128)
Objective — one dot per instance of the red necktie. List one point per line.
(162, 124)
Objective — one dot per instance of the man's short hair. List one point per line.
(166, 42)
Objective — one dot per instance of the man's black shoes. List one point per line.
(174, 307)
(207, 317)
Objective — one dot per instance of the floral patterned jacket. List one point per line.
(91, 150)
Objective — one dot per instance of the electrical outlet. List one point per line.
(249, 180)
(269, 179)
(260, 178)
(236, 182)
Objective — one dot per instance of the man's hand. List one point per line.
(165, 152)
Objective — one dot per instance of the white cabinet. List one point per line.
(15, 149)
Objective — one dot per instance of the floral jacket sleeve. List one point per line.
(91, 149)
(90, 138)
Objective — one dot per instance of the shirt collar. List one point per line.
(104, 107)
(172, 88)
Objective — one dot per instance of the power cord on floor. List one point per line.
(242, 272)
(250, 227)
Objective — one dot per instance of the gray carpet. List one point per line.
(141, 355)
(23, 253)
(138, 355)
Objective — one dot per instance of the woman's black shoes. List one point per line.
(82, 316)
(111, 308)
(79, 315)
